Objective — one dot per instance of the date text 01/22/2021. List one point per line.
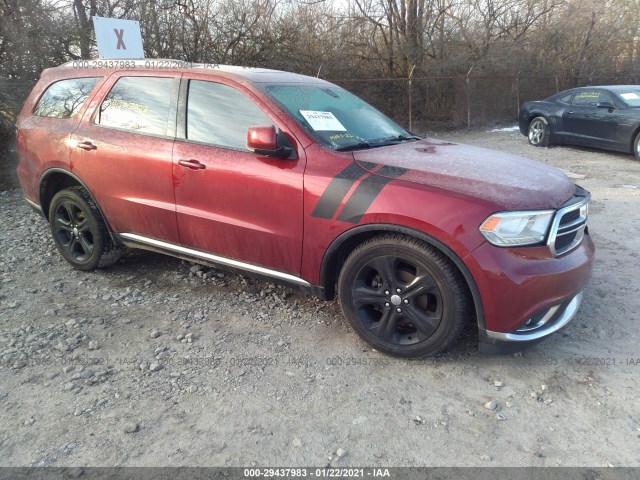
(316, 472)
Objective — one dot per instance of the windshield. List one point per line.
(631, 97)
(337, 118)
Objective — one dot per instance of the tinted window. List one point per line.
(64, 98)
(565, 98)
(591, 98)
(630, 97)
(139, 104)
(221, 115)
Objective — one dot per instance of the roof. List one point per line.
(253, 74)
(607, 87)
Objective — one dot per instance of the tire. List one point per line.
(403, 296)
(80, 232)
(636, 147)
(539, 132)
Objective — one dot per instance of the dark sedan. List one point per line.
(605, 117)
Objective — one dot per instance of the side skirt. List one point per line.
(133, 240)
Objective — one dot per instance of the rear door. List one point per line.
(232, 202)
(122, 150)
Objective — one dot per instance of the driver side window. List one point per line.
(220, 115)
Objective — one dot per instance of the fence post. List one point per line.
(518, 95)
(427, 103)
(469, 99)
(409, 84)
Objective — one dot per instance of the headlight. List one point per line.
(512, 229)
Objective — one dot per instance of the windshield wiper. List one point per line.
(382, 142)
(355, 146)
(401, 138)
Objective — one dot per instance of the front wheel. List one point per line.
(636, 147)
(403, 297)
(539, 133)
(79, 231)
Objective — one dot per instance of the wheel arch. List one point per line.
(56, 179)
(342, 246)
(636, 132)
(535, 114)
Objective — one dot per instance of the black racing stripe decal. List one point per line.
(366, 192)
(368, 165)
(336, 190)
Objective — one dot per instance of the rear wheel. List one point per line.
(539, 132)
(403, 297)
(79, 231)
(636, 147)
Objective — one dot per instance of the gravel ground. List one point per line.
(158, 362)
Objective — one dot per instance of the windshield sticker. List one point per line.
(322, 121)
(630, 96)
(588, 95)
(340, 136)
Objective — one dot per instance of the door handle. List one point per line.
(86, 145)
(192, 164)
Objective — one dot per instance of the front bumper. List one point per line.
(535, 329)
(526, 293)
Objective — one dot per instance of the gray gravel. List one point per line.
(156, 361)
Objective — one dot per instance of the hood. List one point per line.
(508, 181)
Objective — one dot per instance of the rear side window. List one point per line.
(139, 104)
(565, 98)
(64, 98)
(591, 98)
(221, 115)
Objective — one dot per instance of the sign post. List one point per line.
(118, 38)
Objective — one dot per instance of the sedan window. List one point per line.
(591, 98)
(566, 98)
(630, 97)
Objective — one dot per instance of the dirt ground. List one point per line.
(156, 362)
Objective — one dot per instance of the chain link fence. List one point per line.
(12, 96)
(436, 103)
(420, 103)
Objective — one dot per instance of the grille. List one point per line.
(569, 217)
(564, 240)
(567, 229)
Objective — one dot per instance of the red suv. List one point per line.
(295, 179)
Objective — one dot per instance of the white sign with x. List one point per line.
(118, 38)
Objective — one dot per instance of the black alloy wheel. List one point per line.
(79, 231)
(403, 296)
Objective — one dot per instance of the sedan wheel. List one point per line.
(403, 296)
(636, 147)
(539, 132)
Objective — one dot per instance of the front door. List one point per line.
(588, 124)
(231, 202)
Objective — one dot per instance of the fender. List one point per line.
(42, 183)
(329, 257)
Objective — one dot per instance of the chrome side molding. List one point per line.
(133, 240)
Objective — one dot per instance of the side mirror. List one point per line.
(263, 140)
(606, 105)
